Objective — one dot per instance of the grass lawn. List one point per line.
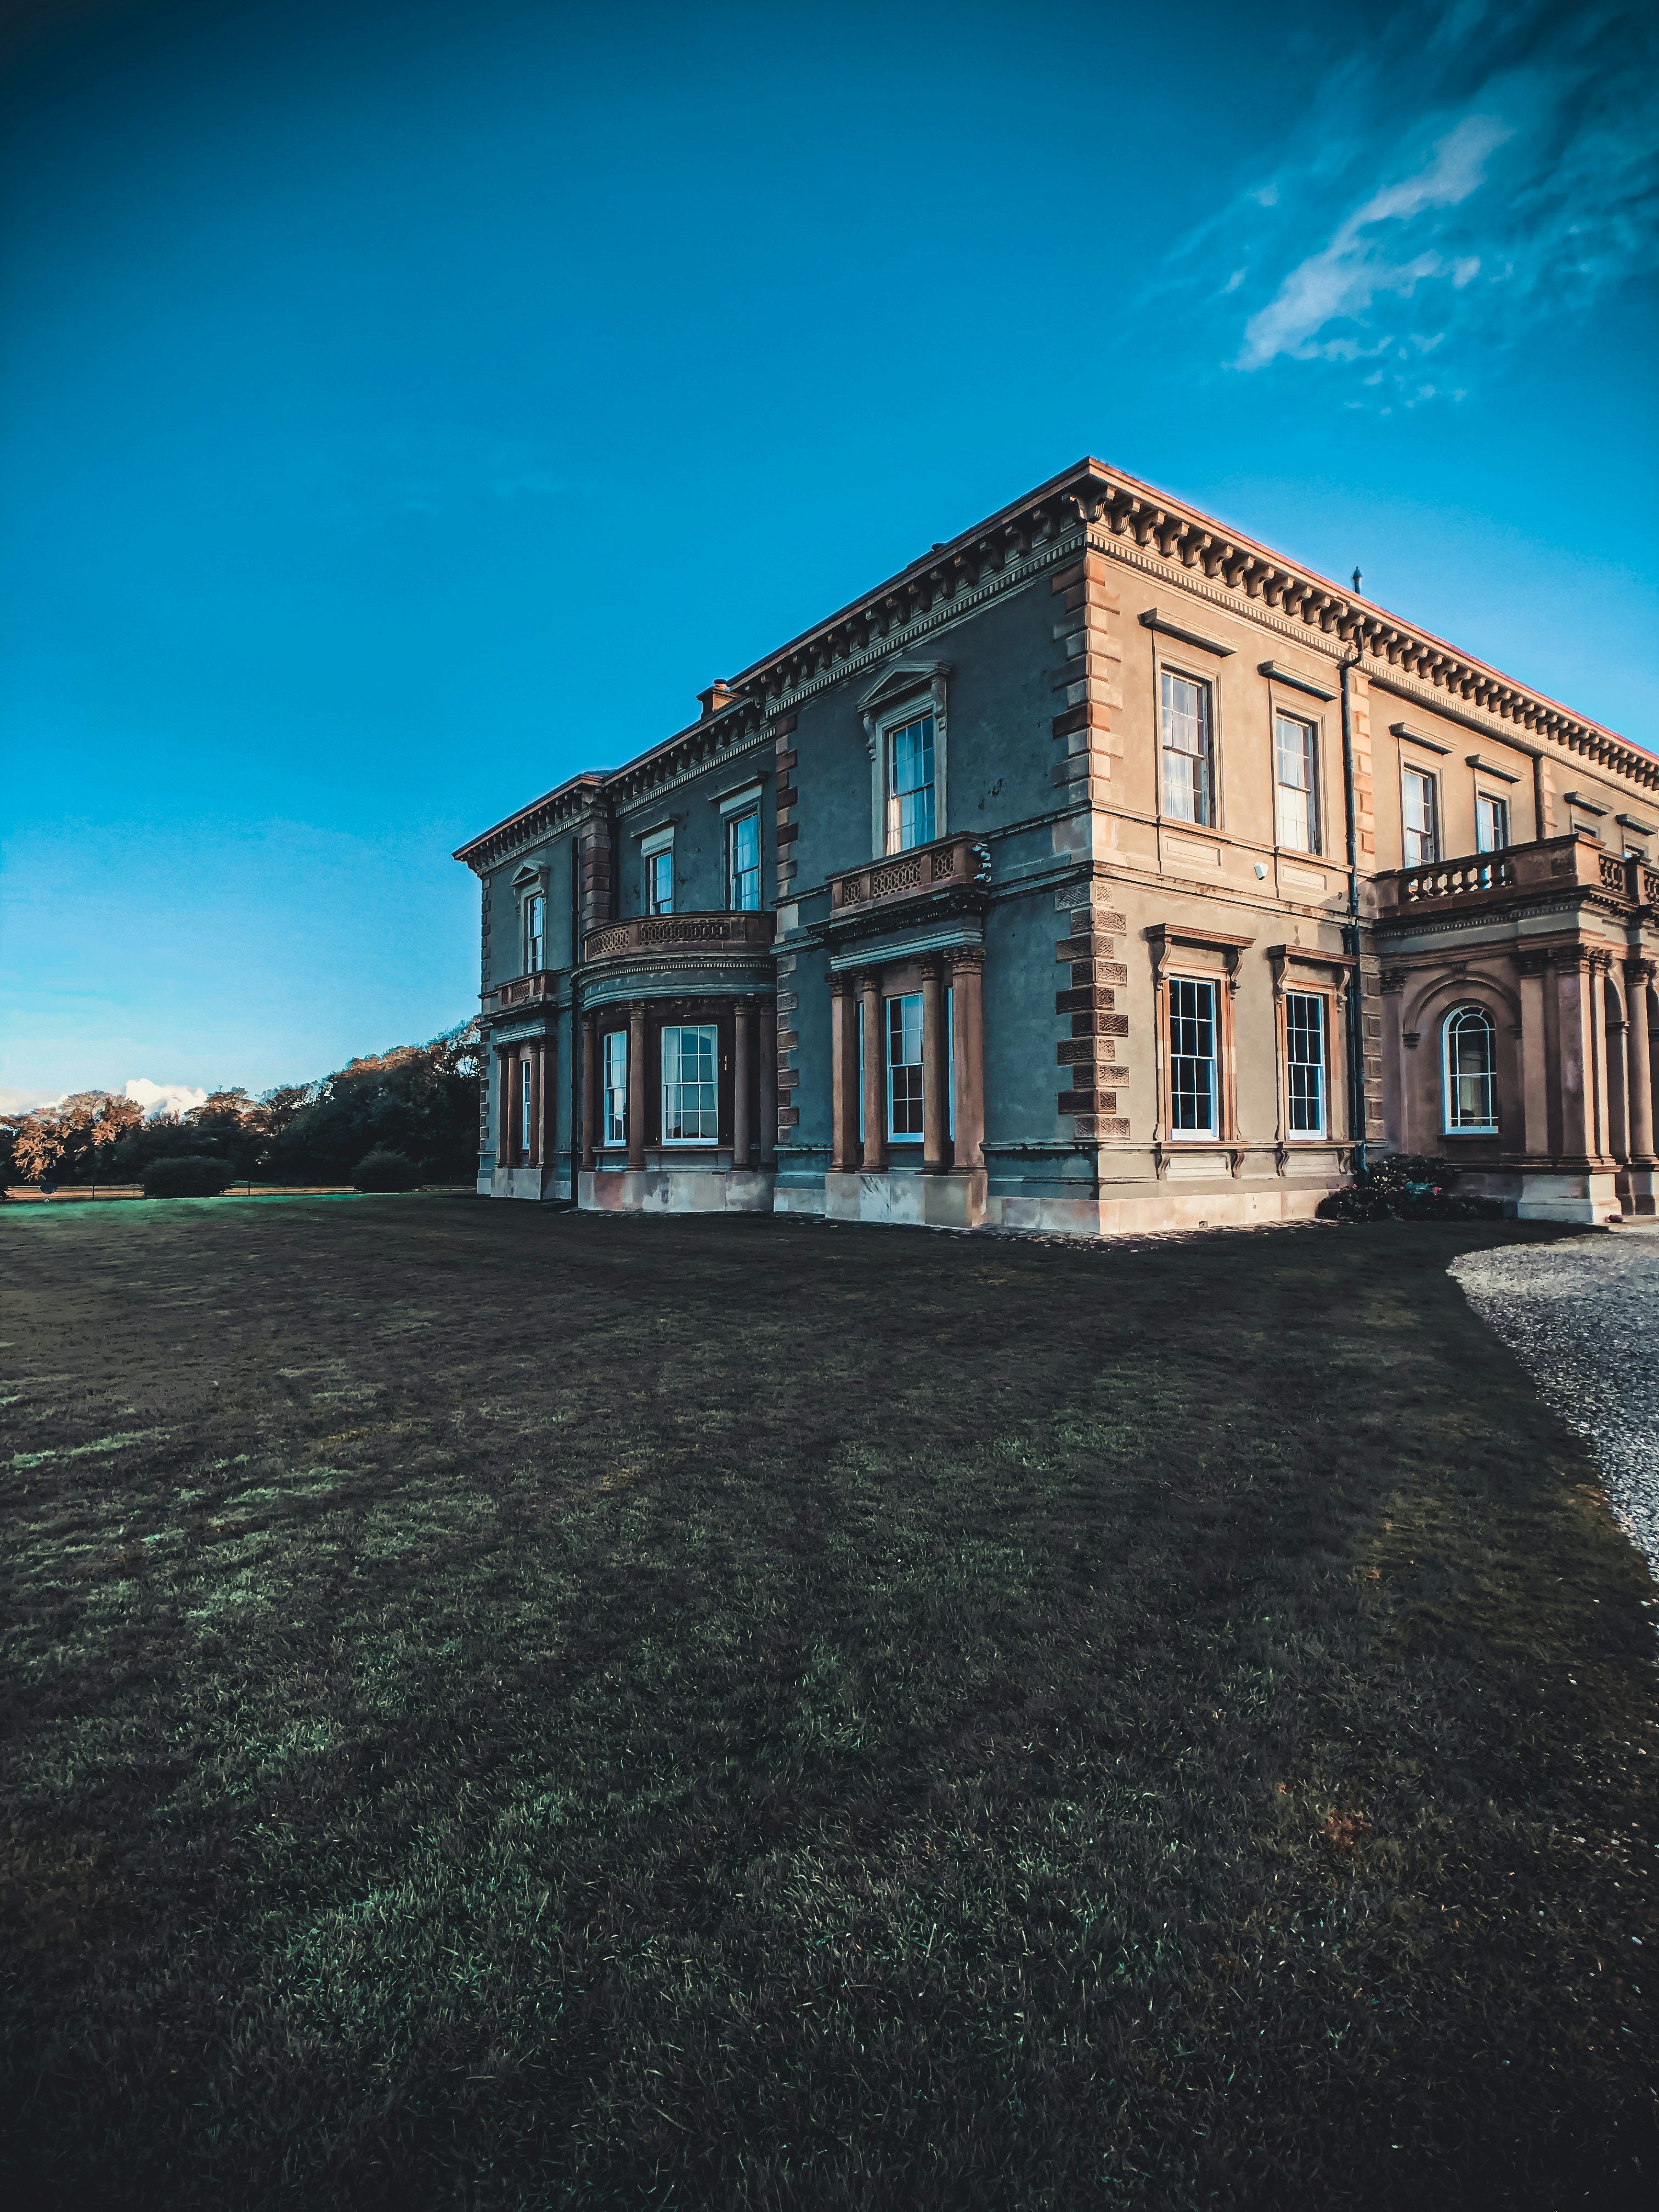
(508, 1709)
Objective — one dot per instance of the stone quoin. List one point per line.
(1102, 871)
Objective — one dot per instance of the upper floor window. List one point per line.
(690, 1110)
(1304, 1061)
(904, 1068)
(911, 785)
(659, 882)
(1192, 1056)
(1471, 1073)
(1491, 823)
(535, 933)
(1189, 778)
(616, 1087)
(743, 862)
(1296, 774)
(1420, 811)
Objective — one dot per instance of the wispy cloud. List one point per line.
(1512, 176)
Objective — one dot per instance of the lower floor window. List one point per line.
(690, 1113)
(526, 1095)
(1304, 1056)
(1192, 1056)
(616, 1087)
(1471, 1070)
(904, 1067)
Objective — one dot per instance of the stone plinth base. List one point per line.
(676, 1190)
(1153, 1208)
(523, 1183)
(904, 1197)
(1584, 1195)
(1639, 1190)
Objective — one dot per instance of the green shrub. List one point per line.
(187, 1175)
(1406, 1187)
(385, 1170)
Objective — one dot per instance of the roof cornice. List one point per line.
(1089, 503)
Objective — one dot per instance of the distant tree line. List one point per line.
(418, 1100)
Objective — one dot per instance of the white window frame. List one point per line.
(910, 1024)
(658, 846)
(535, 940)
(1429, 778)
(524, 1106)
(614, 1082)
(1313, 838)
(1209, 1132)
(1453, 1020)
(736, 823)
(1483, 800)
(893, 728)
(1322, 1067)
(699, 1031)
(1169, 674)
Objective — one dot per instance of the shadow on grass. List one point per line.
(514, 1710)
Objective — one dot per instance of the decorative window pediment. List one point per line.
(900, 680)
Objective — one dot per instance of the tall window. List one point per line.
(1187, 781)
(1420, 805)
(911, 785)
(1471, 1071)
(1297, 793)
(616, 1087)
(1491, 823)
(690, 1110)
(904, 1068)
(526, 1093)
(1304, 1059)
(743, 862)
(659, 882)
(535, 933)
(1192, 1056)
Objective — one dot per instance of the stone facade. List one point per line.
(1102, 871)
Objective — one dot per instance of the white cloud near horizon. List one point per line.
(163, 1097)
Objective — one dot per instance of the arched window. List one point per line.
(1471, 1073)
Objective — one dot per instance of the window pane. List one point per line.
(1471, 1070)
(1304, 1054)
(660, 869)
(690, 1113)
(1296, 806)
(743, 837)
(536, 932)
(905, 1066)
(1418, 799)
(1186, 748)
(1191, 1054)
(910, 785)
(1492, 824)
(616, 1087)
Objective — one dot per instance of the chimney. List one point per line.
(716, 696)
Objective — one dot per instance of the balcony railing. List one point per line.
(523, 991)
(1480, 877)
(646, 933)
(950, 864)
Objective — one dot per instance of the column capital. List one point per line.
(1639, 970)
(966, 955)
(842, 983)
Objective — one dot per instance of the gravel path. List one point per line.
(1583, 1318)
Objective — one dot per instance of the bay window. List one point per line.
(690, 1110)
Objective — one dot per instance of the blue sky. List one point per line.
(403, 406)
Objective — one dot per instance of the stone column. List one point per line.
(768, 1082)
(590, 1091)
(636, 1086)
(1638, 1061)
(506, 1062)
(843, 1074)
(1534, 1057)
(934, 1073)
(743, 1057)
(1575, 982)
(1595, 984)
(966, 977)
(875, 1076)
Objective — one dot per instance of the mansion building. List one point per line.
(1103, 869)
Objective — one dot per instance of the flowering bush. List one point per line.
(1406, 1187)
